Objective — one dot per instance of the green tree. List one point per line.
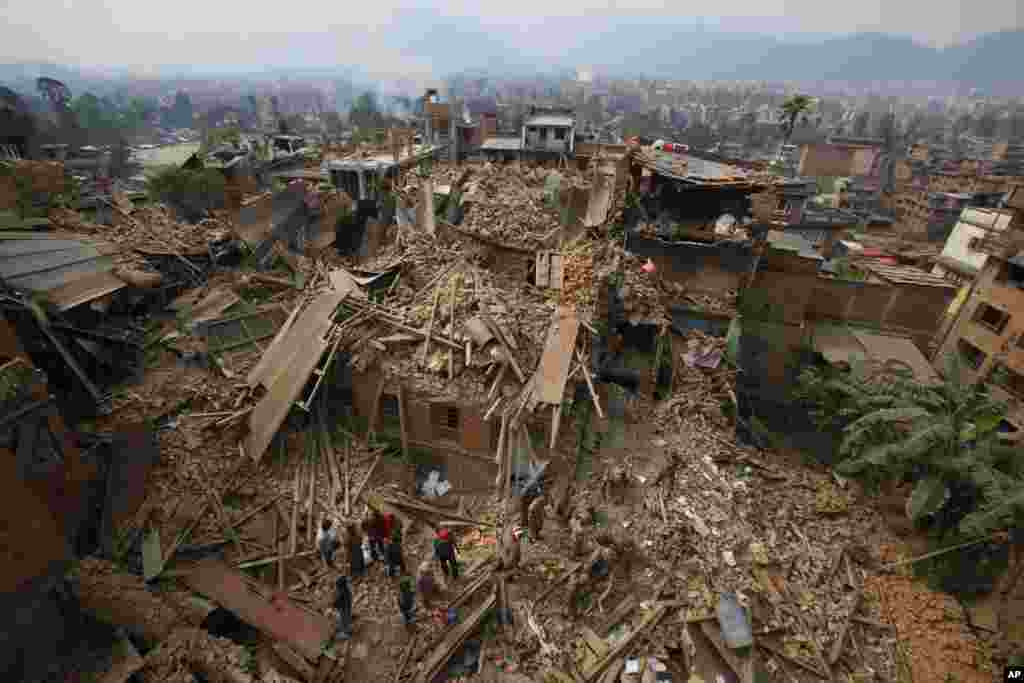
(365, 112)
(860, 124)
(793, 108)
(181, 112)
(942, 436)
(90, 113)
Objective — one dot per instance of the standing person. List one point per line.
(327, 542)
(354, 539)
(407, 599)
(375, 530)
(395, 563)
(343, 603)
(426, 585)
(445, 553)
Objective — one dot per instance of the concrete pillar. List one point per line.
(362, 184)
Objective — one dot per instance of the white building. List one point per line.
(960, 261)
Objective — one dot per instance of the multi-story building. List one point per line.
(961, 259)
(988, 332)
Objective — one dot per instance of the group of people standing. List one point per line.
(383, 542)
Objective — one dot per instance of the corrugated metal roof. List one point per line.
(550, 120)
(502, 144)
(815, 237)
(57, 265)
(906, 275)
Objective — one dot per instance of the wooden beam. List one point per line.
(362, 485)
(556, 420)
(296, 497)
(590, 384)
(453, 641)
(403, 428)
(430, 327)
(626, 643)
(372, 429)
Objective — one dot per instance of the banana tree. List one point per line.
(943, 435)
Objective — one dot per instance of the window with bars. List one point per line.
(446, 421)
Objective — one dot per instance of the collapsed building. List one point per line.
(477, 336)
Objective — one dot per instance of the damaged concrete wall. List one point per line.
(907, 309)
(697, 266)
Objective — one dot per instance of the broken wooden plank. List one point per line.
(570, 570)
(369, 474)
(494, 406)
(506, 346)
(622, 646)
(792, 660)
(430, 327)
(451, 328)
(293, 542)
(497, 382)
(453, 640)
(307, 343)
(402, 426)
(837, 646)
(423, 507)
(405, 659)
(590, 384)
(371, 431)
(556, 420)
(466, 593)
(310, 525)
(260, 606)
(553, 370)
(294, 659)
(270, 560)
(627, 605)
(743, 667)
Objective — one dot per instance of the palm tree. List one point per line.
(793, 108)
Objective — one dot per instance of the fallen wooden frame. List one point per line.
(626, 643)
(423, 507)
(453, 640)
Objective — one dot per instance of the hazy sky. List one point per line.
(142, 33)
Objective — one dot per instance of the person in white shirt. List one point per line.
(327, 542)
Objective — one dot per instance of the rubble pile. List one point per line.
(578, 273)
(154, 228)
(704, 377)
(675, 512)
(723, 303)
(508, 207)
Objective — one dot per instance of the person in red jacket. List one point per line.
(445, 553)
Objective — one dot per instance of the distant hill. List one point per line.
(640, 47)
(986, 61)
